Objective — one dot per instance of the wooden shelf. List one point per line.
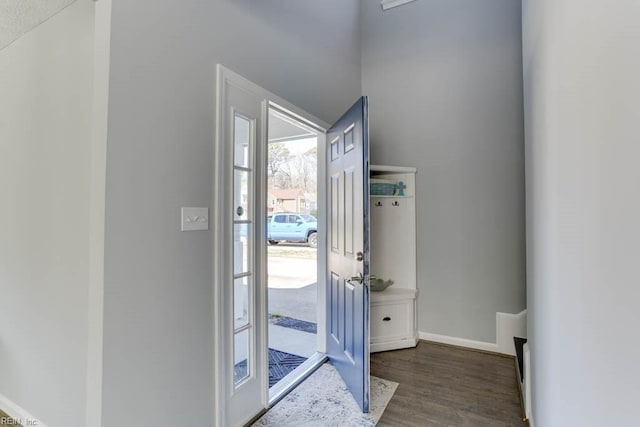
(392, 169)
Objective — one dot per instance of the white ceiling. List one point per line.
(18, 17)
(282, 128)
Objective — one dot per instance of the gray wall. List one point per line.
(444, 79)
(158, 319)
(45, 174)
(582, 62)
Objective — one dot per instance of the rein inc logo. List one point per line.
(11, 421)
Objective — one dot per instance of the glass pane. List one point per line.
(241, 195)
(241, 364)
(242, 234)
(242, 137)
(241, 301)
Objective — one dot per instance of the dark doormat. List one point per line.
(280, 364)
(290, 322)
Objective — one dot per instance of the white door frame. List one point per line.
(95, 349)
(220, 251)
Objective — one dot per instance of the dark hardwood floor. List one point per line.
(443, 385)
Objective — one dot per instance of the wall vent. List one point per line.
(388, 4)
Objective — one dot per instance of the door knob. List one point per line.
(358, 278)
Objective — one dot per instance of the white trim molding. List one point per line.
(507, 326)
(394, 345)
(18, 413)
(102, 50)
(526, 387)
(460, 342)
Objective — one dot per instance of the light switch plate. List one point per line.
(195, 219)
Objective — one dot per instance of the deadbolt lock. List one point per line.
(360, 256)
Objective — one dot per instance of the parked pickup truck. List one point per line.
(292, 227)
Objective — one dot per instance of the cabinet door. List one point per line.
(392, 320)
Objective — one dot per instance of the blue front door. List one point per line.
(348, 250)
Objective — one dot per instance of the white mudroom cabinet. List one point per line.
(393, 257)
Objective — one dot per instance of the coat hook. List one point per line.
(378, 203)
(396, 203)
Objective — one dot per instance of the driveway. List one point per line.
(292, 281)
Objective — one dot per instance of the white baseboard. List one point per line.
(393, 345)
(526, 386)
(507, 326)
(461, 342)
(18, 413)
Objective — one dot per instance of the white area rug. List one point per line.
(324, 400)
